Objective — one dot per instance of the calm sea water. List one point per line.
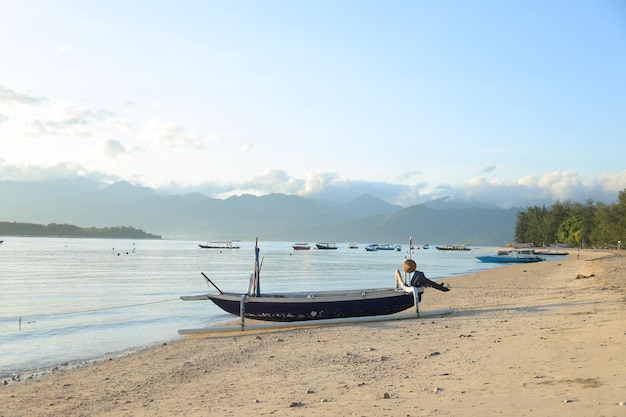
(72, 300)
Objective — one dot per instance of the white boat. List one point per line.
(221, 244)
(512, 256)
(373, 247)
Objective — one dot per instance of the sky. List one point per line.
(507, 103)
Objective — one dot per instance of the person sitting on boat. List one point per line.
(419, 280)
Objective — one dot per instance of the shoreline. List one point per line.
(531, 339)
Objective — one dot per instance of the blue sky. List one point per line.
(510, 103)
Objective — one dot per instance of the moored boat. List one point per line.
(326, 245)
(301, 246)
(453, 247)
(319, 305)
(221, 244)
(373, 247)
(512, 256)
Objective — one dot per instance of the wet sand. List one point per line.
(541, 339)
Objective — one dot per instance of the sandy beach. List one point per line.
(544, 339)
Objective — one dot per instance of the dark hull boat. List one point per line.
(320, 305)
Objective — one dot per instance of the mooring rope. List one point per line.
(93, 310)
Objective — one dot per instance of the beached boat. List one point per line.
(550, 253)
(326, 245)
(320, 305)
(512, 256)
(301, 246)
(221, 244)
(453, 247)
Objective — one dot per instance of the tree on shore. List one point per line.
(575, 224)
(68, 230)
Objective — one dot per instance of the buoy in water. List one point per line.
(409, 266)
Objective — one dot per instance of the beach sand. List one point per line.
(545, 339)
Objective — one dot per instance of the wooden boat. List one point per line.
(319, 305)
(301, 246)
(326, 245)
(512, 256)
(221, 244)
(453, 247)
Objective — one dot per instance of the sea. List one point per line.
(68, 301)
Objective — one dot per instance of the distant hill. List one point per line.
(368, 205)
(68, 230)
(271, 217)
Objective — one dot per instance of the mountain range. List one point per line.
(278, 217)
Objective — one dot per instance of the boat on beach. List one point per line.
(320, 305)
(512, 256)
(326, 245)
(301, 246)
(221, 244)
(550, 253)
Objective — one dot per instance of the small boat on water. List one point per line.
(353, 246)
(319, 305)
(373, 247)
(512, 256)
(221, 244)
(326, 245)
(426, 246)
(301, 246)
(453, 247)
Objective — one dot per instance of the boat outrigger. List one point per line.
(320, 305)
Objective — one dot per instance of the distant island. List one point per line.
(68, 230)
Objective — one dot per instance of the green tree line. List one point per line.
(592, 224)
(68, 230)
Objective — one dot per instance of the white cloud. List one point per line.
(169, 134)
(12, 97)
(246, 146)
(113, 148)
